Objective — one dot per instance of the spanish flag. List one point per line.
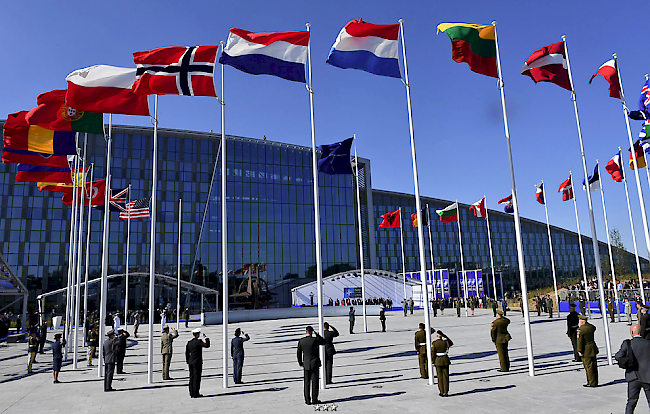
(19, 135)
(638, 152)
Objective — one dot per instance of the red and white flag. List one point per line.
(548, 64)
(610, 73)
(478, 208)
(176, 70)
(566, 189)
(105, 89)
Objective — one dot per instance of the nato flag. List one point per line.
(335, 158)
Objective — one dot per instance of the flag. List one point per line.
(10, 155)
(138, 209)
(478, 208)
(448, 214)
(54, 187)
(566, 189)
(614, 167)
(473, 44)
(594, 181)
(391, 220)
(94, 195)
(548, 64)
(369, 47)
(638, 152)
(643, 114)
(36, 173)
(609, 71)
(335, 158)
(19, 135)
(414, 218)
(508, 208)
(52, 113)
(176, 70)
(281, 54)
(117, 201)
(105, 89)
(540, 193)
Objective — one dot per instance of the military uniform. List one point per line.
(500, 338)
(645, 323)
(167, 351)
(32, 348)
(588, 348)
(549, 306)
(611, 307)
(421, 348)
(458, 307)
(572, 325)
(440, 349)
(92, 344)
(583, 305)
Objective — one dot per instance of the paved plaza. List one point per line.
(373, 372)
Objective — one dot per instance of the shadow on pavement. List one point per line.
(364, 397)
(475, 391)
(225, 394)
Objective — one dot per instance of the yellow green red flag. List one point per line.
(473, 44)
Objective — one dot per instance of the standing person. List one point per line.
(458, 307)
(163, 319)
(405, 306)
(611, 307)
(628, 310)
(57, 356)
(572, 325)
(644, 321)
(351, 316)
(116, 322)
(494, 308)
(500, 338)
(166, 350)
(421, 349)
(136, 323)
(583, 305)
(194, 360)
(638, 374)
(434, 307)
(382, 318)
(330, 350)
(186, 316)
(92, 344)
(549, 305)
(237, 354)
(411, 304)
(521, 306)
(108, 351)
(309, 360)
(42, 337)
(471, 305)
(32, 349)
(120, 349)
(588, 350)
(504, 306)
(440, 350)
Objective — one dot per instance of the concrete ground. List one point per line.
(373, 372)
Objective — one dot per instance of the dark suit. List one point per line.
(42, 336)
(237, 354)
(351, 315)
(120, 351)
(329, 336)
(645, 326)
(640, 377)
(308, 350)
(194, 360)
(108, 351)
(572, 325)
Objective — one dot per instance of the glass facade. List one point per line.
(270, 219)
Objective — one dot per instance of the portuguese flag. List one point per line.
(473, 44)
(449, 214)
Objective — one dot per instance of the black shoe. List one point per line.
(446, 395)
(587, 385)
(199, 396)
(441, 394)
(308, 402)
(110, 389)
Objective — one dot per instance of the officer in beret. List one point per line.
(588, 350)
(572, 325)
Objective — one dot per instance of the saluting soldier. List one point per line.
(500, 338)
(166, 349)
(32, 348)
(421, 348)
(194, 360)
(440, 350)
(644, 321)
(458, 307)
(92, 344)
(588, 350)
(572, 325)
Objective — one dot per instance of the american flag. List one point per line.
(137, 209)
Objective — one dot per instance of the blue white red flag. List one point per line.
(282, 54)
(508, 208)
(366, 46)
(540, 193)
(614, 167)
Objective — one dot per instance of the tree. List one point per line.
(619, 254)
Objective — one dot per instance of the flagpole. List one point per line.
(609, 242)
(550, 248)
(319, 261)
(433, 266)
(582, 254)
(126, 274)
(224, 233)
(636, 173)
(152, 248)
(178, 282)
(515, 206)
(103, 288)
(594, 237)
(487, 221)
(363, 280)
(77, 302)
(71, 254)
(401, 235)
(636, 250)
(75, 244)
(90, 204)
(462, 261)
(418, 210)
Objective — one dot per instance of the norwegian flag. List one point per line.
(566, 188)
(138, 209)
(176, 70)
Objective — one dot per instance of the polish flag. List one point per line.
(609, 72)
(105, 89)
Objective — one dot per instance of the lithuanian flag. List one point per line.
(448, 214)
(473, 44)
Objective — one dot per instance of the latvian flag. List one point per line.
(614, 167)
(566, 188)
(138, 209)
(448, 214)
(508, 208)
(548, 64)
(540, 193)
(478, 208)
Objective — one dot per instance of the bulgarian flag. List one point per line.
(448, 214)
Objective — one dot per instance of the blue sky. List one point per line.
(457, 113)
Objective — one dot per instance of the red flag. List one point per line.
(176, 70)
(548, 64)
(610, 73)
(95, 193)
(566, 189)
(615, 167)
(10, 155)
(478, 208)
(391, 220)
